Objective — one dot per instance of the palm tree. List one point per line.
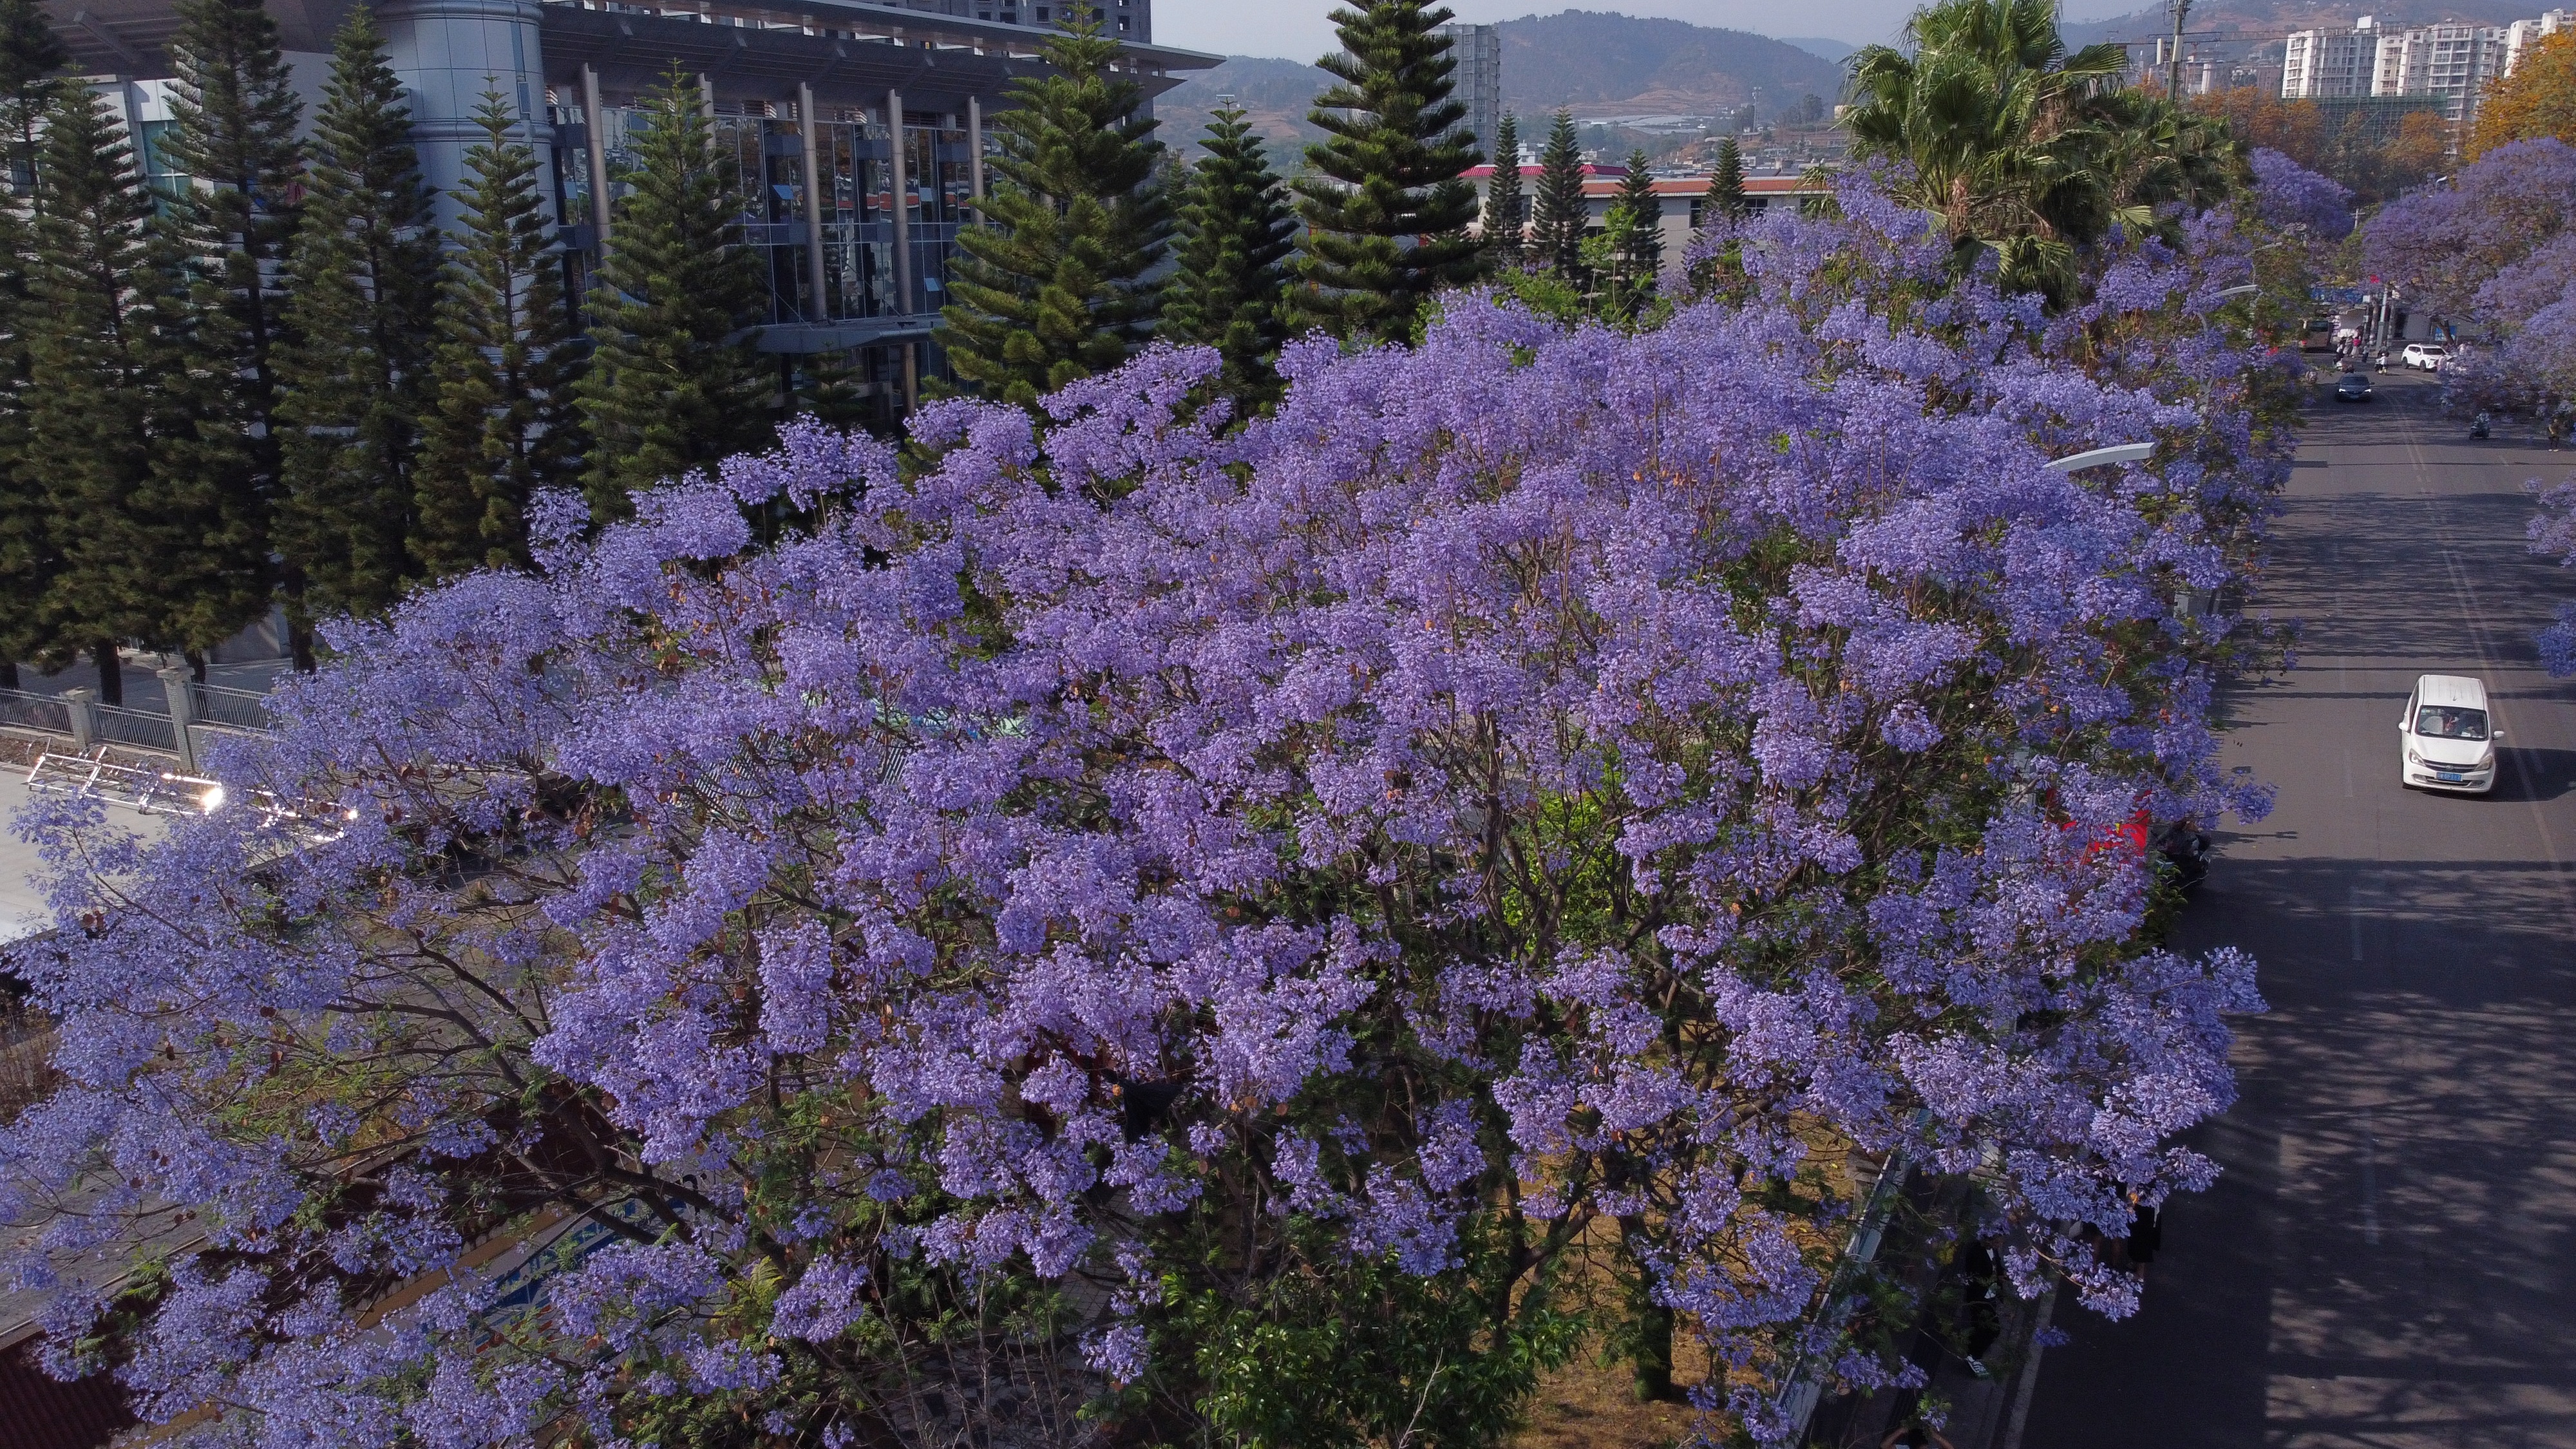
(1999, 126)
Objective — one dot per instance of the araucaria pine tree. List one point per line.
(235, 111)
(1388, 205)
(1561, 214)
(505, 422)
(30, 54)
(1725, 201)
(1505, 205)
(101, 362)
(361, 294)
(1057, 287)
(674, 383)
(1231, 289)
(1641, 247)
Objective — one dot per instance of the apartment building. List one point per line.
(1477, 83)
(2322, 63)
(2451, 62)
(2522, 35)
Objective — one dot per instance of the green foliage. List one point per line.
(1386, 205)
(674, 383)
(360, 307)
(504, 424)
(1726, 200)
(235, 112)
(102, 353)
(30, 53)
(1231, 289)
(1504, 201)
(1056, 287)
(1561, 215)
(828, 386)
(1988, 110)
(1337, 1354)
(1637, 229)
(31, 57)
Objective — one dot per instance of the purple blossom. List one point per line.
(1513, 756)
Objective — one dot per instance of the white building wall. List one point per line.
(2522, 35)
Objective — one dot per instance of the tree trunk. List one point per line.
(111, 671)
(196, 664)
(299, 629)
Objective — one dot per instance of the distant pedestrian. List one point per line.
(1915, 1434)
(2146, 1235)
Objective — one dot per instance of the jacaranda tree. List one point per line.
(1203, 926)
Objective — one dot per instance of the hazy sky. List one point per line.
(1298, 30)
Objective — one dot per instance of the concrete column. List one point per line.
(591, 108)
(911, 376)
(902, 212)
(82, 706)
(707, 96)
(447, 53)
(807, 122)
(975, 154)
(178, 686)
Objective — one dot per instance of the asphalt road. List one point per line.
(2390, 1258)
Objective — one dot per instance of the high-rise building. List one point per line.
(1477, 83)
(2522, 35)
(2451, 62)
(857, 126)
(2322, 63)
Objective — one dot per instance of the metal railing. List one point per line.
(35, 712)
(235, 709)
(140, 729)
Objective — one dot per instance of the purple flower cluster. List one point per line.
(1610, 772)
(2287, 194)
(2495, 253)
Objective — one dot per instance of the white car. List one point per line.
(2428, 356)
(2448, 737)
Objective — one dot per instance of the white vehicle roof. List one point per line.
(2452, 690)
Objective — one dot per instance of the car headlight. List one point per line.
(2413, 758)
(2485, 761)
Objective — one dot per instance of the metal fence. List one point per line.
(35, 712)
(238, 709)
(139, 728)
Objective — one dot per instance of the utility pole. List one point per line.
(2173, 74)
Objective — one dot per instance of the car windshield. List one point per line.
(2447, 722)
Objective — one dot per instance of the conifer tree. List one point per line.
(1055, 288)
(234, 112)
(361, 295)
(1503, 197)
(1642, 249)
(504, 423)
(98, 345)
(30, 54)
(1231, 289)
(672, 384)
(1388, 204)
(1556, 232)
(1725, 200)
